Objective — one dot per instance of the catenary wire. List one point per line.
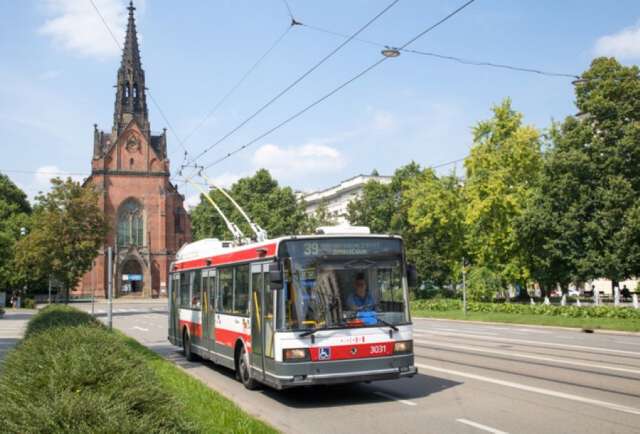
(448, 57)
(337, 89)
(295, 82)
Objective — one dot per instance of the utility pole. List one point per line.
(464, 286)
(110, 288)
(49, 289)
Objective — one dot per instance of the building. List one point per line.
(337, 198)
(130, 170)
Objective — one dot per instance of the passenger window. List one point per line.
(225, 290)
(241, 305)
(184, 291)
(212, 290)
(195, 289)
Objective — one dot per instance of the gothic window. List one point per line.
(130, 224)
(135, 91)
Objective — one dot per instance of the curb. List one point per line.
(505, 324)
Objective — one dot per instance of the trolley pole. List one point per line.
(464, 287)
(110, 288)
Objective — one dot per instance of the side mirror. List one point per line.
(412, 276)
(275, 276)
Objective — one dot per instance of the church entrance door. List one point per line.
(132, 278)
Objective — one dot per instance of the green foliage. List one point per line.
(436, 217)
(320, 217)
(592, 180)
(503, 170)
(68, 228)
(375, 208)
(83, 379)
(483, 284)
(527, 309)
(29, 303)
(274, 208)
(14, 214)
(55, 316)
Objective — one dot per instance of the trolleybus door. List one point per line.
(208, 308)
(258, 276)
(174, 317)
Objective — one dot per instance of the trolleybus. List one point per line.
(296, 310)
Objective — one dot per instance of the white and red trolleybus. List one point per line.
(297, 310)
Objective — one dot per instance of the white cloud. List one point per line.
(623, 45)
(192, 201)
(76, 27)
(290, 163)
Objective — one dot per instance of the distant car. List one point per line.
(574, 292)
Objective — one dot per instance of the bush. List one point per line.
(483, 285)
(58, 315)
(527, 309)
(79, 377)
(29, 303)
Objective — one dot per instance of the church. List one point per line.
(144, 210)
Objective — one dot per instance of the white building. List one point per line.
(337, 198)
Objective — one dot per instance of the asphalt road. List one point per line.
(474, 378)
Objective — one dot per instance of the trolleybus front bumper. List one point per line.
(287, 375)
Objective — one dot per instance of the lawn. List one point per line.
(627, 324)
(211, 412)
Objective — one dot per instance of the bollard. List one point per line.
(563, 300)
(616, 296)
(635, 301)
(546, 301)
(532, 301)
(596, 298)
(578, 302)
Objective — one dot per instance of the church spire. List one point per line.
(131, 101)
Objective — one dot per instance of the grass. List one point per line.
(210, 411)
(71, 374)
(629, 324)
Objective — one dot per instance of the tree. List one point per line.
(593, 176)
(14, 215)
(321, 216)
(274, 208)
(67, 229)
(502, 173)
(436, 212)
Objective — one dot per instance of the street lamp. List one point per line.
(390, 52)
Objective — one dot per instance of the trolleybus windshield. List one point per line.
(342, 282)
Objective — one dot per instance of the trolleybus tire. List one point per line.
(186, 346)
(244, 370)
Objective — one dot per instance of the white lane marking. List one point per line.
(395, 398)
(480, 426)
(457, 331)
(140, 328)
(550, 344)
(540, 390)
(530, 356)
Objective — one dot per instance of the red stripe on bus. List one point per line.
(228, 338)
(356, 351)
(229, 258)
(195, 329)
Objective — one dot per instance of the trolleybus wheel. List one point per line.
(245, 371)
(186, 346)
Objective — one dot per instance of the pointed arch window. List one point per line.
(130, 224)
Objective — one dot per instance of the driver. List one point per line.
(361, 300)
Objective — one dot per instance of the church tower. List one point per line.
(130, 170)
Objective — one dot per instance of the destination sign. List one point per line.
(344, 247)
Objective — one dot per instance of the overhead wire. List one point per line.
(447, 57)
(337, 89)
(298, 80)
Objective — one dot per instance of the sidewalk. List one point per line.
(12, 327)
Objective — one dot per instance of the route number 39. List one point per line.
(311, 249)
(378, 349)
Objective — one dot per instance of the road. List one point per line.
(12, 327)
(474, 378)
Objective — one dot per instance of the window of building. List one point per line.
(130, 224)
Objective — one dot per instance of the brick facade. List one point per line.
(145, 211)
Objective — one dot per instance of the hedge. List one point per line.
(442, 305)
(70, 374)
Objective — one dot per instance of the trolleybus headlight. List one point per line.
(403, 347)
(295, 354)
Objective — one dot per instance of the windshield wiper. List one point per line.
(388, 324)
(308, 332)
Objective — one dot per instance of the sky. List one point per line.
(59, 65)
